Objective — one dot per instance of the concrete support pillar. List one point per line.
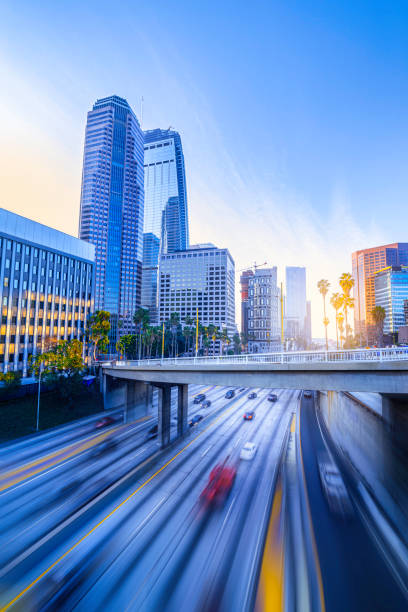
(164, 415)
(182, 409)
(138, 400)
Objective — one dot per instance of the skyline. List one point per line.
(329, 150)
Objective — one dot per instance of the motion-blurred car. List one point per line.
(307, 394)
(199, 398)
(252, 395)
(152, 433)
(196, 419)
(104, 447)
(272, 397)
(230, 394)
(242, 389)
(104, 422)
(249, 416)
(219, 484)
(248, 451)
(206, 404)
(333, 487)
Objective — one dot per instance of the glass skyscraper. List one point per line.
(112, 209)
(391, 291)
(295, 312)
(166, 215)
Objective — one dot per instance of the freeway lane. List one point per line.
(354, 573)
(127, 540)
(37, 554)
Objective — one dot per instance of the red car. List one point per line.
(104, 422)
(249, 416)
(219, 484)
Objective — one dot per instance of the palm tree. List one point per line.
(346, 282)
(141, 319)
(340, 325)
(323, 286)
(174, 322)
(378, 313)
(336, 301)
(347, 303)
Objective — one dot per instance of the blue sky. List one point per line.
(293, 117)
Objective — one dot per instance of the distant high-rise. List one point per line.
(112, 205)
(264, 324)
(166, 215)
(365, 264)
(199, 280)
(295, 315)
(244, 280)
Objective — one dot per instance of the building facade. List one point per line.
(264, 325)
(166, 212)
(391, 291)
(244, 280)
(295, 310)
(112, 209)
(366, 263)
(201, 278)
(46, 288)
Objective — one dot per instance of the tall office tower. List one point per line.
(244, 280)
(264, 324)
(203, 278)
(365, 264)
(406, 312)
(295, 302)
(391, 291)
(166, 215)
(46, 288)
(112, 205)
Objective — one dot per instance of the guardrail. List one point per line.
(360, 355)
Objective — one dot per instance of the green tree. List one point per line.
(98, 331)
(237, 344)
(323, 286)
(174, 323)
(11, 380)
(378, 314)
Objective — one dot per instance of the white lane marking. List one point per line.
(237, 442)
(206, 451)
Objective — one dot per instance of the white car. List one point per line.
(334, 488)
(248, 451)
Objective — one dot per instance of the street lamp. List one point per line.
(38, 398)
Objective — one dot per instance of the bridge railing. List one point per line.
(352, 355)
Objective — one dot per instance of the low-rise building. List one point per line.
(46, 288)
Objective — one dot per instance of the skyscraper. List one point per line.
(391, 291)
(365, 264)
(166, 215)
(295, 315)
(199, 280)
(112, 205)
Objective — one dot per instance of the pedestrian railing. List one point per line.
(360, 355)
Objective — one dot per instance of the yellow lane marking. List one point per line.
(309, 515)
(270, 589)
(45, 462)
(139, 488)
(293, 424)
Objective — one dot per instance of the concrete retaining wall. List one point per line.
(364, 438)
